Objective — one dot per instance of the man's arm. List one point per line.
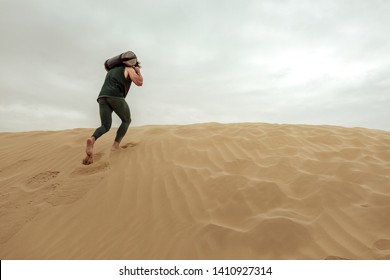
(136, 76)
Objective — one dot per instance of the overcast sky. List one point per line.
(274, 61)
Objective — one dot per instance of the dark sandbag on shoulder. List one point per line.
(127, 58)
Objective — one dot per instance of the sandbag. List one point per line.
(127, 58)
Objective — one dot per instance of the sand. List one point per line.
(202, 191)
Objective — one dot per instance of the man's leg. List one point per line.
(121, 108)
(106, 120)
(105, 111)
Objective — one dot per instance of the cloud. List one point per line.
(320, 62)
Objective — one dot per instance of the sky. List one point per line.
(322, 62)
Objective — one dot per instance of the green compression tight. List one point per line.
(107, 105)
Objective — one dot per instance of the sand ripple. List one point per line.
(204, 191)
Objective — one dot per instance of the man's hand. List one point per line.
(137, 70)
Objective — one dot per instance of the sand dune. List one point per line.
(204, 191)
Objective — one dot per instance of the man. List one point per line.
(112, 99)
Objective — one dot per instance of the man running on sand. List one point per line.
(112, 99)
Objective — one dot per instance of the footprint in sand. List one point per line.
(91, 169)
(94, 168)
(41, 180)
(129, 145)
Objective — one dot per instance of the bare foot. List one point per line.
(89, 151)
(115, 146)
(89, 148)
(88, 160)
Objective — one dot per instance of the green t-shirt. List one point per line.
(115, 84)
